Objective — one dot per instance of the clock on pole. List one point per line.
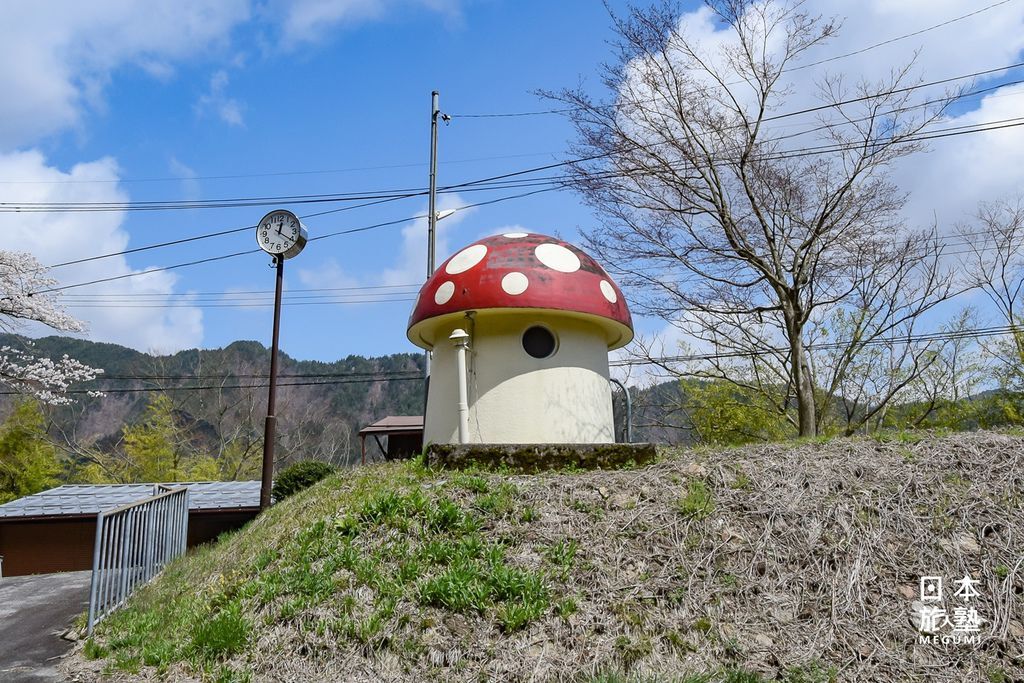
(283, 236)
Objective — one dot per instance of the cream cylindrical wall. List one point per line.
(516, 398)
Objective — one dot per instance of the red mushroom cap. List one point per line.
(520, 271)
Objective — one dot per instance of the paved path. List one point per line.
(34, 611)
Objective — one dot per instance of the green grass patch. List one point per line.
(222, 635)
(697, 503)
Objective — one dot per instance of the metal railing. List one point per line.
(133, 544)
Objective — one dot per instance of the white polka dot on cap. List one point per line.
(515, 235)
(466, 259)
(514, 283)
(557, 257)
(609, 292)
(444, 293)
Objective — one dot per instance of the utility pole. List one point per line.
(435, 111)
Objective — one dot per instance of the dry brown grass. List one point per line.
(798, 562)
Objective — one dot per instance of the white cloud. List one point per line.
(947, 181)
(216, 100)
(311, 20)
(411, 262)
(57, 237)
(189, 178)
(59, 55)
(328, 275)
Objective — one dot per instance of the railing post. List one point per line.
(93, 586)
(184, 523)
(126, 542)
(150, 552)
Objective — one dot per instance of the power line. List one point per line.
(265, 304)
(231, 231)
(212, 259)
(238, 296)
(566, 110)
(132, 390)
(232, 295)
(236, 176)
(409, 192)
(472, 183)
(942, 133)
(384, 374)
(975, 333)
(788, 154)
(379, 196)
(196, 238)
(899, 110)
(898, 38)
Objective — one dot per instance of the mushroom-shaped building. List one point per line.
(541, 316)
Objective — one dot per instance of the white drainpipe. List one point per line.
(460, 340)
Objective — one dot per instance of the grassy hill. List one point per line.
(789, 562)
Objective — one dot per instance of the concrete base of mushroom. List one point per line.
(538, 457)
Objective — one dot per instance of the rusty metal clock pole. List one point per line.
(269, 427)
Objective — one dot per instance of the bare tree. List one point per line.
(995, 264)
(956, 371)
(873, 355)
(726, 227)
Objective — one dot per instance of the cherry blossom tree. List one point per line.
(26, 296)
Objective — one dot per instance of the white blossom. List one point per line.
(24, 297)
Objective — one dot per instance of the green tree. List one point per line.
(723, 413)
(28, 461)
(153, 446)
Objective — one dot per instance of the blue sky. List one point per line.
(150, 101)
(350, 94)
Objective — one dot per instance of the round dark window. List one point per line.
(539, 342)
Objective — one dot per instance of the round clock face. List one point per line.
(280, 233)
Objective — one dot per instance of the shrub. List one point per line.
(301, 475)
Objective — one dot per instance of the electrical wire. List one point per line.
(788, 154)
(898, 38)
(133, 390)
(274, 174)
(266, 304)
(384, 374)
(566, 110)
(409, 192)
(223, 257)
(254, 291)
(975, 333)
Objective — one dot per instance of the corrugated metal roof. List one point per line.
(88, 499)
(395, 423)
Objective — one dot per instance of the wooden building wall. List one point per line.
(60, 544)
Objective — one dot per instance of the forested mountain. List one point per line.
(219, 397)
(215, 400)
